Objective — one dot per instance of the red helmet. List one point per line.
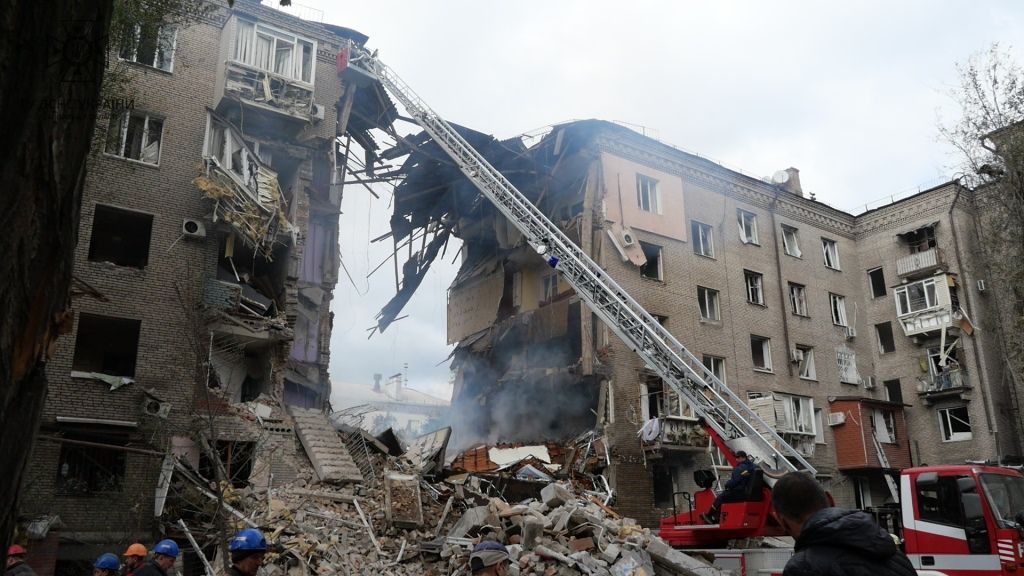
(16, 550)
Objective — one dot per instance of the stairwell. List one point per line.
(330, 457)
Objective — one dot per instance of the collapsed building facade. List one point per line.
(205, 265)
(867, 341)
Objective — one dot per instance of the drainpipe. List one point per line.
(986, 401)
(782, 290)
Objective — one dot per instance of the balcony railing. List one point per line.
(926, 320)
(268, 90)
(677, 433)
(954, 379)
(920, 262)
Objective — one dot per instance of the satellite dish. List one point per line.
(780, 177)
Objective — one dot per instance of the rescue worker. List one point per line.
(735, 488)
(489, 558)
(134, 558)
(16, 565)
(832, 541)
(106, 565)
(247, 549)
(164, 554)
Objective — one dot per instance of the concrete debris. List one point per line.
(331, 460)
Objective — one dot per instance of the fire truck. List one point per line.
(959, 520)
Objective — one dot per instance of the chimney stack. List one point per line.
(376, 382)
(792, 184)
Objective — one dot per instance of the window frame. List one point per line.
(702, 234)
(794, 290)
(791, 247)
(717, 364)
(549, 289)
(944, 422)
(881, 283)
(819, 426)
(831, 257)
(661, 262)
(837, 305)
(755, 289)
(902, 295)
(125, 119)
(878, 338)
(742, 217)
(888, 385)
(647, 188)
(97, 237)
(277, 34)
(807, 363)
(136, 38)
(710, 296)
(766, 353)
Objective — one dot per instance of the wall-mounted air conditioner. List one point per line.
(318, 111)
(870, 383)
(836, 418)
(193, 228)
(628, 238)
(981, 286)
(851, 332)
(796, 356)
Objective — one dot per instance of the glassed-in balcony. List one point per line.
(920, 263)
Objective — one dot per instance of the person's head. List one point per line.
(741, 456)
(796, 497)
(489, 558)
(165, 553)
(134, 556)
(106, 565)
(15, 554)
(248, 548)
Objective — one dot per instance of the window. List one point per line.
(804, 356)
(549, 287)
(846, 359)
(120, 236)
(916, 297)
(150, 45)
(920, 240)
(298, 395)
(652, 269)
(87, 470)
(884, 423)
(761, 353)
(886, 343)
(794, 414)
(275, 51)
(708, 300)
(940, 502)
(755, 287)
(819, 428)
(663, 402)
(791, 241)
(716, 365)
(838, 304)
(831, 251)
(798, 298)
(663, 480)
(647, 194)
(748, 226)
(703, 239)
(877, 279)
(893, 392)
(136, 136)
(955, 424)
(106, 345)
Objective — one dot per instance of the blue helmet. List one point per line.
(248, 540)
(166, 548)
(107, 561)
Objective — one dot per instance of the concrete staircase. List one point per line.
(330, 458)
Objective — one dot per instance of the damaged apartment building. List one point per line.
(206, 260)
(867, 341)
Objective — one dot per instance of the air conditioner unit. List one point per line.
(154, 407)
(318, 111)
(836, 418)
(870, 383)
(796, 356)
(193, 228)
(981, 286)
(851, 332)
(628, 238)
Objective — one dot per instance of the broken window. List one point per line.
(549, 287)
(652, 269)
(748, 226)
(236, 459)
(306, 345)
(276, 51)
(136, 136)
(916, 297)
(761, 353)
(831, 251)
(819, 428)
(663, 480)
(838, 304)
(120, 236)
(804, 356)
(886, 343)
(150, 45)
(716, 365)
(791, 241)
(920, 240)
(87, 470)
(300, 396)
(877, 279)
(846, 359)
(106, 345)
(708, 300)
(755, 287)
(662, 401)
(955, 424)
(798, 298)
(794, 414)
(703, 239)
(647, 194)
(893, 392)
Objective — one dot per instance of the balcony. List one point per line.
(947, 384)
(920, 263)
(672, 435)
(927, 320)
(267, 91)
(869, 434)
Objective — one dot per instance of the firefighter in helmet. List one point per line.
(247, 549)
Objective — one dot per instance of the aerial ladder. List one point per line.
(732, 425)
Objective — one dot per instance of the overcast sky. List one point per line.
(848, 92)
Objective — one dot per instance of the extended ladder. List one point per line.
(883, 462)
(720, 407)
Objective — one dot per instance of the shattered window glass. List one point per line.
(138, 140)
(708, 300)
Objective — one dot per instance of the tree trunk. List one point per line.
(52, 55)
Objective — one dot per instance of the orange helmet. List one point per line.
(16, 550)
(135, 550)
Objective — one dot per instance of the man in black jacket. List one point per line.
(832, 541)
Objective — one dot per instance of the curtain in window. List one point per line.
(264, 46)
(243, 42)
